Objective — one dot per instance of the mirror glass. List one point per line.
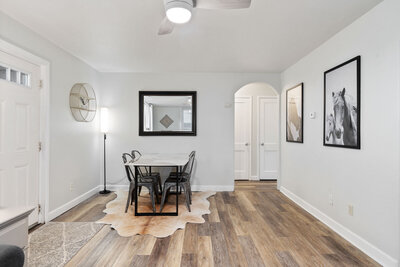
(167, 114)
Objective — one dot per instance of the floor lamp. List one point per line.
(104, 130)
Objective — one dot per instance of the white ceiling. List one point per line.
(121, 35)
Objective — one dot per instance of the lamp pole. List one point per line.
(104, 126)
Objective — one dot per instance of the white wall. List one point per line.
(254, 90)
(74, 146)
(215, 120)
(366, 178)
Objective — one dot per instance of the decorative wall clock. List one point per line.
(82, 101)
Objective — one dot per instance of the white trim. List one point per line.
(44, 156)
(258, 136)
(44, 171)
(217, 188)
(60, 210)
(254, 177)
(368, 248)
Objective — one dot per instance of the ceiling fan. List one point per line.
(180, 11)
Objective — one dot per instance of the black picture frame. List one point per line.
(301, 130)
(193, 94)
(330, 120)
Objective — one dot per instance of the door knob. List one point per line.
(262, 144)
(247, 144)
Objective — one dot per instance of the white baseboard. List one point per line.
(60, 210)
(217, 188)
(369, 249)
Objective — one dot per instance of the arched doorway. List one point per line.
(257, 134)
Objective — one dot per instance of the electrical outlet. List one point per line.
(351, 210)
(331, 199)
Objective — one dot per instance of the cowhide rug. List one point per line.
(127, 224)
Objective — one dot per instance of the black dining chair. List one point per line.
(142, 180)
(156, 175)
(192, 154)
(183, 182)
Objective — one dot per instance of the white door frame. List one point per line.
(277, 97)
(44, 155)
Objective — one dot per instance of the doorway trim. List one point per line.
(278, 96)
(44, 155)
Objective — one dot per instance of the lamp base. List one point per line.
(105, 192)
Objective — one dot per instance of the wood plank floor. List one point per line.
(254, 226)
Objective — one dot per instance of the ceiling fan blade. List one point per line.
(166, 27)
(222, 4)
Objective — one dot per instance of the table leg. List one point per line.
(178, 174)
(136, 190)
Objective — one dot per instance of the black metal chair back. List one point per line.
(126, 157)
(187, 169)
(136, 155)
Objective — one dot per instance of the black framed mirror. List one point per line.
(166, 113)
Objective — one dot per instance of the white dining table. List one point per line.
(174, 160)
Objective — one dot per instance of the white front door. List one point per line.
(268, 137)
(19, 133)
(243, 108)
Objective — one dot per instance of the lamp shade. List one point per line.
(104, 120)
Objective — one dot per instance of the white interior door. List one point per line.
(243, 108)
(268, 137)
(19, 133)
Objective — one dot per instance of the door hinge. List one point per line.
(41, 84)
(40, 146)
(39, 208)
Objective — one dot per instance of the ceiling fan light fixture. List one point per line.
(179, 11)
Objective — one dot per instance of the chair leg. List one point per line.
(151, 191)
(156, 193)
(186, 191)
(190, 194)
(133, 193)
(129, 197)
(159, 184)
(164, 195)
(140, 189)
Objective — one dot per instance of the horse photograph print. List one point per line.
(342, 105)
(294, 114)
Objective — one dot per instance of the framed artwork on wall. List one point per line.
(294, 114)
(342, 105)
